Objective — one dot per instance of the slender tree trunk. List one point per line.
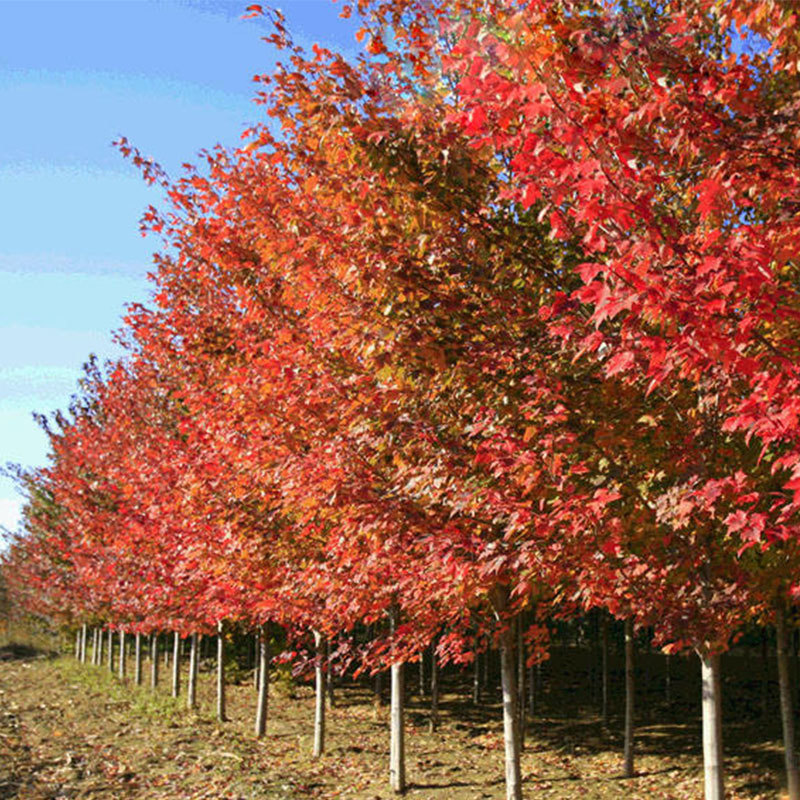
(433, 721)
(764, 674)
(421, 665)
(176, 664)
(166, 655)
(110, 649)
(712, 727)
(509, 687)
(485, 672)
(630, 689)
(263, 682)
(137, 666)
(221, 716)
(319, 706)
(520, 683)
(329, 675)
(101, 640)
(153, 660)
(476, 673)
(122, 654)
(668, 682)
(397, 755)
(78, 644)
(84, 636)
(604, 691)
(256, 657)
(531, 690)
(787, 714)
(796, 661)
(191, 687)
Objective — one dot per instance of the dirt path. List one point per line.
(72, 731)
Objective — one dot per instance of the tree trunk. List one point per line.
(509, 687)
(520, 684)
(153, 660)
(176, 664)
(111, 650)
(378, 688)
(787, 715)
(476, 674)
(256, 657)
(629, 699)
(263, 682)
(764, 674)
(221, 717)
(433, 722)
(137, 667)
(329, 677)
(78, 644)
(319, 706)
(531, 690)
(485, 671)
(668, 682)
(122, 654)
(712, 727)
(191, 687)
(397, 755)
(604, 708)
(84, 636)
(422, 673)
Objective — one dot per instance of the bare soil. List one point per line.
(75, 731)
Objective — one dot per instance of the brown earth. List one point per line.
(75, 731)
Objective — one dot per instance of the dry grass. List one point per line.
(74, 731)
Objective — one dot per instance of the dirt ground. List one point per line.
(75, 731)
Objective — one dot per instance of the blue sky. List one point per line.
(174, 77)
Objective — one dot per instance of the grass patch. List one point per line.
(76, 731)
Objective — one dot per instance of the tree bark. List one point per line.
(153, 660)
(787, 712)
(319, 706)
(476, 674)
(256, 657)
(509, 688)
(397, 756)
(110, 649)
(221, 716)
(122, 654)
(630, 689)
(176, 664)
(520, 683)
(78, 644)
(137, 667)
(764, 674)
(191, 687)
(329, 677)
(263, 682)
(84, 635)
(422, 673)
(433, 722)
(604, 707)
(712, 727)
